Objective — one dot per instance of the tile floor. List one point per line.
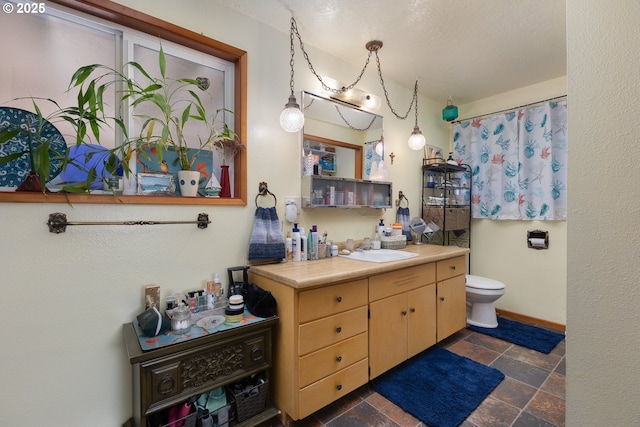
(531, 395)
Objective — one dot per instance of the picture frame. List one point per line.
(433, 154)
(156, 184)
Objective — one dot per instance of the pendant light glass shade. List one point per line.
(417, 139)
(291, 118)
(380, 148)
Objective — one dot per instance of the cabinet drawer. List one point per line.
(321, 333)
(452, 267)
(395, 282)
(322, 302)
(333, 387)
(331, 359)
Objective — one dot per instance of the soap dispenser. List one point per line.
(381, 228)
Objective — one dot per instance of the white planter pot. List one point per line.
(188, 181)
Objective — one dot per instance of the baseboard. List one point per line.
(531, 320)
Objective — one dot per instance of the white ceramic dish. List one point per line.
(210, 322)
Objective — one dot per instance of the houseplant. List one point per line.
(33, 136)
(165, 107)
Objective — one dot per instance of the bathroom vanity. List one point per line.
(344, 322)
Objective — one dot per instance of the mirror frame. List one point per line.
(142, 22)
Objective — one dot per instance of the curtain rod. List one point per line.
(510, 109)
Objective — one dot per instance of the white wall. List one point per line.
(66, 296)
(603, 243)
(535, 280)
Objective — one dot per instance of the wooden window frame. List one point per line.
(148, 24)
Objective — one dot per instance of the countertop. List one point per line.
(307, 274)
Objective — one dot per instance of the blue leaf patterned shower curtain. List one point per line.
(518, 162)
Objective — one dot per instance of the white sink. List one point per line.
(380, 255)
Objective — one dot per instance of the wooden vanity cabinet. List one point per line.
(402, 316)
(321, 345)
(451, 296)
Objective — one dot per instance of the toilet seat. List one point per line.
(479, 282)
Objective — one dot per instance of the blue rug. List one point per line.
(438, 387)
(524, 335)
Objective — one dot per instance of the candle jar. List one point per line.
(181, 319)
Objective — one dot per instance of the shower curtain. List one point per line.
(518, 162)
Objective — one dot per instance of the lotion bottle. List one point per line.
(381, 228)
(295, 243)
(314, 242)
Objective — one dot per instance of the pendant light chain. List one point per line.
(373, 119)
(386, 94)
(292, 53)
(294, 29)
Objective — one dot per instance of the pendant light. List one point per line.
(450, 112)
(291, 118)
(417, 139)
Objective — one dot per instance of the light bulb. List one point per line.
(379, 148)
(291, 118)
(417, 139)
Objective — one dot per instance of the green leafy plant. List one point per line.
(174, 102)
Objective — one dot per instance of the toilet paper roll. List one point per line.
(537, 242)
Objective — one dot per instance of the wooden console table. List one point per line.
(170, 375)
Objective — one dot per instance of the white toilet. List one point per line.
(481, 293)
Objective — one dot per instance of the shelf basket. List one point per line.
(250, 402)
(393, 242)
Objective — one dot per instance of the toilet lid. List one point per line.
(480, 282)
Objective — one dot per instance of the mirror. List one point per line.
(341, 138)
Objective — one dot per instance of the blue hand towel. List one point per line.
(267, 240)
(403, 217)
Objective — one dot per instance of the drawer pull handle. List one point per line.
(256, 353)
(413, 310)
(339, 387)
(338, 329)
(404, 312)
(453, 267)
(442, 299)
(166, 385)
(339, 299)
(339, 358)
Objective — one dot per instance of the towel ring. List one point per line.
(400, 197)
(263, 190)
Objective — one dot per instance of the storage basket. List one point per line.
(251, 401)
(187, 421)
(393, 242)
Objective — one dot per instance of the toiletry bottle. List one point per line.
(304, 249)
(211, 295)
(310, 252)
(295, 243)
(315, 240)
(288, 247)
(381, 228)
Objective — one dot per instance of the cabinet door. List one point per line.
(387, 333)
(451, 306)
(421, 325)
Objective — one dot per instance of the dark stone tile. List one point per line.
(532, 357)
(555, 384)
(363, 415)
(474, 352)
(560, 348)
(561, 368)
(521, 371)
(486, 341)
(338, 407)
(467, 423)
(494, 413)
(392, 411)
(547, 407)
(514, 392)
(528, 420)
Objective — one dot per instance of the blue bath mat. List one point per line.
(524, 335)
(438, 387)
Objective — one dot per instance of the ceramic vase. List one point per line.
(188, 181)
(224, 181)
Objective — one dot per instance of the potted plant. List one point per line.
(172, 105)
(32, 137)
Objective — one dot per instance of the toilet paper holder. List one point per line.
(538, 239)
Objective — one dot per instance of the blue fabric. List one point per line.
(438, 387)
(267, 240)
(403, 217)
(524, 335)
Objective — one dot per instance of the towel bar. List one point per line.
(58, 222)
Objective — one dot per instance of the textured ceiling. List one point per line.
(466, 49)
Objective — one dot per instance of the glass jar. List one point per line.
(181, 319)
